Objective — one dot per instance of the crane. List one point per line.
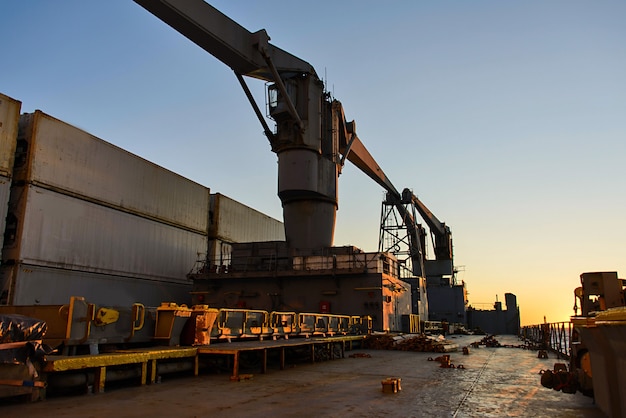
(408, 206)
(312, 139)
(442, 240)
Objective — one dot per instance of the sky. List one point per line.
(507, 119)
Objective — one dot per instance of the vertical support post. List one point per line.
(236, 365)
(264, 367)
(153, 371)
(100, 375)
(282, 358)
(144, 372)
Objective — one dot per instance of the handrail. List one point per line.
(555, 336)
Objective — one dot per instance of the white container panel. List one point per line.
(220, 253)
(9, 119)
(61, 231)
(39, 285)
(235, 222)
(64, 158)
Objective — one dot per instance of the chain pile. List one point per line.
(421, 343)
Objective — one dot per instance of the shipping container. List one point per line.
(9, 118)
(24, 284)
(56, 230)
(232, 221)
(57, 156)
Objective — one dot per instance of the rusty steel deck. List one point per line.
(495, 382)
(147, 358)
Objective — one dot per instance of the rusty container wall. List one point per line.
(235, 222)
(57, 230)
(5, 189)
(25, 284)
(9, 118)
(55, 155)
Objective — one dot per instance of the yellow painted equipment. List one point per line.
(106, 316)
(170, 321)
(82, 323)
(200, 325)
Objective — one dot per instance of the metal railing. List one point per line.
(350, 261)
(555, 336)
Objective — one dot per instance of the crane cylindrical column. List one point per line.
(307, 187)
(307, 178)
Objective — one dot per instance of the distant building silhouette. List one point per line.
(447, 301)
(496, 321)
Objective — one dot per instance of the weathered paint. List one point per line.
(61, 231)
(232, 221)
(27, 284)
(61, 157)
(495, 382)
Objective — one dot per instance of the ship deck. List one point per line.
(494, 382)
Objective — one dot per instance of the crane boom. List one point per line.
(224, 38)
(441, 232)
(312, 131)
(351, 147)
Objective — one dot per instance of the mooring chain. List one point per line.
(480, 373)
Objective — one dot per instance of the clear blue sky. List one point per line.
(508, 119)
